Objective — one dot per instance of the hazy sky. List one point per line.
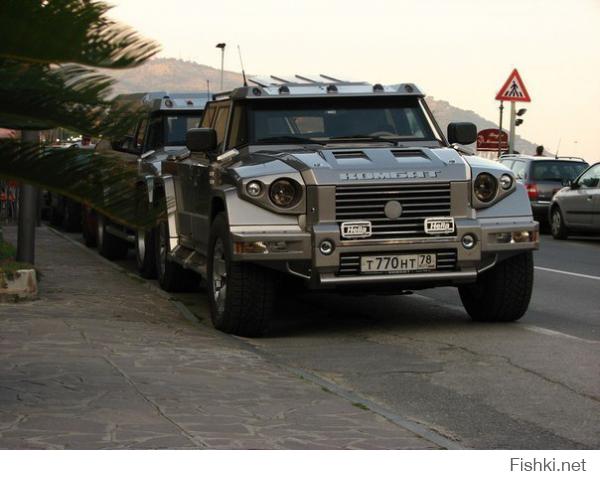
(457, 50)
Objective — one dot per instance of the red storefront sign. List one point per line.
(487, 140)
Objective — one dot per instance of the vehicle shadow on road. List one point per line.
(317, 314)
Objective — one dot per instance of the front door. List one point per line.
(579, 201)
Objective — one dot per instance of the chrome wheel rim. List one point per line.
(219, 276)
(141, 246)
(162, 248)
(555, 222)
(100, 231)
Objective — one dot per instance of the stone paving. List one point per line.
(103, 361)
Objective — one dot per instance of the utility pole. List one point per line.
(511, 139)
(500, 129)
(28, 206)
(222, 47)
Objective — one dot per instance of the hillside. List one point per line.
(178, 75)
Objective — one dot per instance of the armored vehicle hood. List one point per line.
(347, 165)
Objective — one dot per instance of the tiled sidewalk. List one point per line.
(102, 361)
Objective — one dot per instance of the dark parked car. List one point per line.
(543, 177)
(576, 208)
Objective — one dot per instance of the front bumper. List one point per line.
(297, 252)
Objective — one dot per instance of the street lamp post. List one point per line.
(222, 47)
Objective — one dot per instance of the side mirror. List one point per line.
(201, 139)
(463, 133)
(124, 144)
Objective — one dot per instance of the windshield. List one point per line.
(176, 127)
(387, 119)
(556, 171)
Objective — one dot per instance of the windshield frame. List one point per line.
(432, 133)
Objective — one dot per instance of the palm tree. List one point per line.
(50, 51)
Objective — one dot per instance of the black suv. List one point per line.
(543, 177)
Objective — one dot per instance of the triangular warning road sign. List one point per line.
(514, 89)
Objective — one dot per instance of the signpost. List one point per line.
(512, 91)
(491, 140)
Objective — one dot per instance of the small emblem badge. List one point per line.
(359, 229)
(393, 210)
(439, 225)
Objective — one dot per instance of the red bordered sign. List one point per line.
(514, 89)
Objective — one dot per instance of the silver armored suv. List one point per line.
(345, 186)
(159, 134)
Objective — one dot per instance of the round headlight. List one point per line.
(284, 193)
(254, 188)
(485, 187)
(506, 181)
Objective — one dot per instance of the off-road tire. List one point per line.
(501, 294)
(250, 289)
(89, 228)
(71, 220)
(145, 255)
(171, 276)
(557, 226)
(109, 246)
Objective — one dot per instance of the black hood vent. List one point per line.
(408, 153)
(348, 154)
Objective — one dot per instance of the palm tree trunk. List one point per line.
(28, 206)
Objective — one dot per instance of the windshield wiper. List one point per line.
(288, 139)
(367, 136)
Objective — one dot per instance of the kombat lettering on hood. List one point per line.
(389, 175)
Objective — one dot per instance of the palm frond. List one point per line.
(98, 179)
(35, 96)
(69, 31)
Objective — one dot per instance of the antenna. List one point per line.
(558, 147)
(242, 64)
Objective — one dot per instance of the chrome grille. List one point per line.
(367, 202)
(350, 263)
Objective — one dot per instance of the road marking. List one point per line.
(573, 274)
(554, 333)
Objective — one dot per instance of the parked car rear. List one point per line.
(543, 177)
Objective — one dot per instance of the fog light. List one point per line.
(277, 246)
(506, 181)
(326, 247)
(504, 237)
(518, 237)
(254, 189)
(250, 247)
(468, 241)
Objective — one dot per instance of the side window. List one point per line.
(519, 169)
(591, 178)
(221, 124)
(155, 134)
(238, 134)
(507, 163)
(208, 116)
(141, 136)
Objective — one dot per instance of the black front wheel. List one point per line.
(558, 227)
(501, 294)
(241, 295)
(144, 253)
(171, 276)
(109, 246)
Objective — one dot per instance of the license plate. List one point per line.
(437, 225)
(419, 262)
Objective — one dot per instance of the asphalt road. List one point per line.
(534, 384)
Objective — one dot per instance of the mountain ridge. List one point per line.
(170, 74)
